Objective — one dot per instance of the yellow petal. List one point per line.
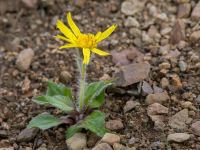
(72, 25)
(106, 33)
(62, 38)
(68, 46)
(97, 35)
(65, 30)
(100, 52)
(86, 56)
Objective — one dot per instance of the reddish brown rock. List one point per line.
(114, 125)
(184, 10)
(196, 128)
(126, 57)
(178, 32)
(196, 12)
(132, 73)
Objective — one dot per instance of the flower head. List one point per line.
(88, 42)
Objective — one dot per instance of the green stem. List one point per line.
(82, 87)
(82, 82)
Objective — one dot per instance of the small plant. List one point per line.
(81, 112)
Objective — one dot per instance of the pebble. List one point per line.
(102, 146)
(157, 98)
(132, 73)
(27, 134)
(117, 146)
(182, 66)
(130, 7)
(3, 134)
(30, 3)
(7, 148)
(178, 137)
(76, 142)
(178, 121)
(198, 99)
(110, 138)
(130, 105)
(146, 88)
(131, 22)
(196, 127)
(114, 125)
(156, 109)
(164, 82)
(184, 10)
(195, 36)
(178, 32)
(24, 59)
(158, 145)
(65, 77)
(196, 12)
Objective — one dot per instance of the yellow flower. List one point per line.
(88, 42)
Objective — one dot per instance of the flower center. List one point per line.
(86, 41)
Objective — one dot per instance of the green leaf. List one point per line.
(95, 122)
(94, 94)
(62, 102)
(44, 121)
(58, 89)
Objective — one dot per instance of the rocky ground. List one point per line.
(155, 53)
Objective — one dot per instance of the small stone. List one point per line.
(161, 17)
(146, 88)
(198, 99)
(178, 137)
(157, 98)
(178, 32)
(24, 59)
(65, 77)
(27, 134)
(127, 56)
(176, 81)
(76, 142)
(30, 3)
(117, 146)
(3, 134)
(184, 10)
(80, 3)
(7, 148)
(131, 22)
(164, 82)
(195, 36)
(146, 39)
(114, 125)
(157, 89)
(196, 128)
(102, 146)
(156, 109)
(173, 55)
(132, 73)
(187, 105)
(130, 7)
(110, 138)
(26, 85)
(196, 12)
(182, 66)
(164, 65)
(178, 121)
(130, 105)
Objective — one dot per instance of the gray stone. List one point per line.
(178, 121)
(76, 142)
(178, 137)
(184, 10)
(24, 59)
(182, 65)
(3, 133)
(110, 138)
(27, 134)
(131, 22)
(130, 7)
(130, 105)
(102, 146)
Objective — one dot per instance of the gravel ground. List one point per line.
(154, 52)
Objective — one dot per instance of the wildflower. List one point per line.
(88, 42)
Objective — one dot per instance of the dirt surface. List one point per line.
(165, 33)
